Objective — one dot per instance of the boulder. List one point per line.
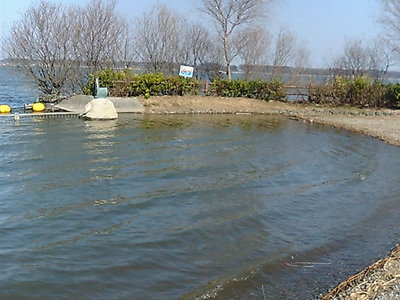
(100, 109)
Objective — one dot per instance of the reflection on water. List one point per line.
(99, 143)
(162, 207)
(97, 127)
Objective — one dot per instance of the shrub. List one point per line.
(393, 94)
(151, 84)
(107, 78)
(178, 85)
(359, 92)
(272, 90)
(124, 83)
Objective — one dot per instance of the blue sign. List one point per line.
(186, 71)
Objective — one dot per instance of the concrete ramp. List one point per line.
(77, 104)
(127, 104)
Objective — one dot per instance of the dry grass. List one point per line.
(205, 104)
(372, 281)
(383, 124)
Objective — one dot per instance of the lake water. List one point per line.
(15, 89)
(169, 207)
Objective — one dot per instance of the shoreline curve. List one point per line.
(377, 281)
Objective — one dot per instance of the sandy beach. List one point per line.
(382, 279)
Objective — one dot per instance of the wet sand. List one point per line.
(382, 279)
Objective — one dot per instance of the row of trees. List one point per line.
(360, 58)
(372, 57)
(58, 45)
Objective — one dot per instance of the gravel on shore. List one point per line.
(380, 281)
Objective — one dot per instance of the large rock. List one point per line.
(100, 109)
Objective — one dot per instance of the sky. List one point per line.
(323, 25)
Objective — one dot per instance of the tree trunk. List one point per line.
(227, 58)
(228, 71)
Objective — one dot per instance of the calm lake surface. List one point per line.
(169, 207)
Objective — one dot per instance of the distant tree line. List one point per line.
(59, 45)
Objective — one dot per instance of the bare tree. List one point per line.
(126, 47)
(57, 45)
(40, 44)
(283, 52)
(101, 34)
(199, 50)
(354, 60)
(210, 62)
(391, 20)
(196, 42)
(157, 41)
(359, 59)
(302, 56)
(229, 16)
(289, 57)
(252, 44)
(380, 58)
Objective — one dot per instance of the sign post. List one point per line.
(186, 71)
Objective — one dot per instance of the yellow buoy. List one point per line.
(5, 109)
(38, 107)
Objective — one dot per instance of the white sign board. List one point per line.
(186, 71)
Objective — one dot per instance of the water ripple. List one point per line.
(161, 206)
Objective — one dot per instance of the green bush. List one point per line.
(107, 78)
(272, 90)
(125, 83)
(151, 84)
(178, 85)
(393, 94)
(359, 92)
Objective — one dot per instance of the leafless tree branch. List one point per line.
(57, 45)
(229, 15)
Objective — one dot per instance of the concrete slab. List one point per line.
(77, 104)
(127, 104)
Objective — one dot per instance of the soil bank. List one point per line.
(383, 124)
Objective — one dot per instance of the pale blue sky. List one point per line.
(324, 25)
